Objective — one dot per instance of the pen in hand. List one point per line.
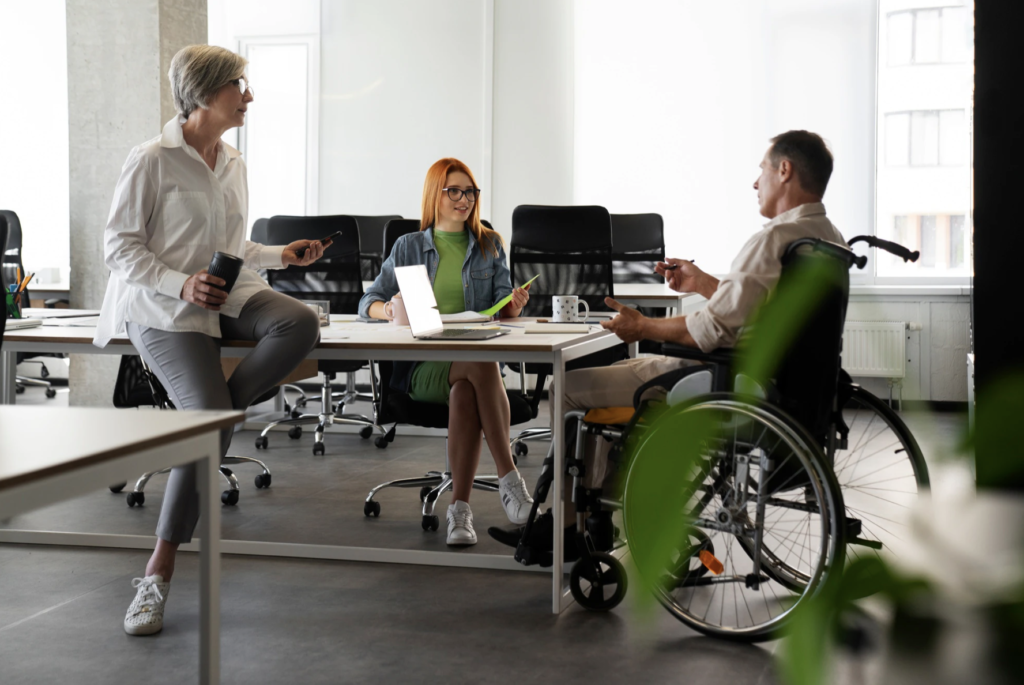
(673, 267)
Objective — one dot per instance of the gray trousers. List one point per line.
(188, 366)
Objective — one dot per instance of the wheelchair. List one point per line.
(740, 499)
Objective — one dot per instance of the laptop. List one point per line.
(421, 308)
(15, 324)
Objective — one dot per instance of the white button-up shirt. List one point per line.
(754, 272)
(170, 213)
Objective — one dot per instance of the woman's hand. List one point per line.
(520, 296)
(311, 250)
(201, 290)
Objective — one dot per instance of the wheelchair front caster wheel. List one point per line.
(365, 433)
(262, 442)
(229, 498)
(381, 442)
(522, 449)
(51, 393)
(117, 487)
(262, 481)
(371, 509)
(598, 584)
(136, 499)
(430, 523)
(318, 448)
(295, 432)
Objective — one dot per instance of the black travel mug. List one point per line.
(226, 266)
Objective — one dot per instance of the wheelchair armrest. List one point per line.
(723, 355)
(665, 381)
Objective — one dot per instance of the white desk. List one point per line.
(96, 447)
(347, 340)
(658, 295)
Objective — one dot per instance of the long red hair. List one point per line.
(437, 177)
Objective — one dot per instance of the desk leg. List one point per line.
(8, 372)
(209, 563)
(558, 440)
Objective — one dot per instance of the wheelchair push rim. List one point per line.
(765, 517)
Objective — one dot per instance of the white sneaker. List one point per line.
(515, 497)
(146, 614)
(460, 524)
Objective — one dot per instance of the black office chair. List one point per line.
(638, 243)
(371, 241)
(570, 248)
(398, 407)
(3, 280)
(12, 260)
(335, 278)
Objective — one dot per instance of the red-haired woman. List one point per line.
(469, 272)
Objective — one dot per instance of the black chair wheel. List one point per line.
(136, 499)
(295, 432)
(262, 480)
(51, 393)
(371, 508)
(262, 442)
(229, 498)
(19, 390)
(430, 523)
(296, 413)
(381, 441)
(424, 491)
(601, 573)
(365, 433)
(318, 448)
(117, 487)
(522, 449)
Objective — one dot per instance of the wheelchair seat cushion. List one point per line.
(607, 416)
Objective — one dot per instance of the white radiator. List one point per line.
(875, 348)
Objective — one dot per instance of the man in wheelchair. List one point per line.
(795, 172)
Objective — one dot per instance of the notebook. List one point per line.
(15, 324)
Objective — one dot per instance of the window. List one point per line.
(925, 138)
(933, 35)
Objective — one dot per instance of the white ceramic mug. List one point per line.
(566, 309)
(397, 314)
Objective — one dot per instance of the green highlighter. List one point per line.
(505, 300)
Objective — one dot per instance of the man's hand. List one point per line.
(314, 250)
(628, 325)
(201, 290)
(686, 277)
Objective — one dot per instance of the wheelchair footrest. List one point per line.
(872, 544)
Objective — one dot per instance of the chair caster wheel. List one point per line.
(20, 390)
(601, 572)
(522, 449)
(117, 487)
(136, 499)
(295, 432)
(381, 442)
(424, 491)
(51, 393)
(318, 448)
(296, 413)
(262, 442)
(229, 498)
(365, 433)
(430, 523)
(371, 509)
(262, 480)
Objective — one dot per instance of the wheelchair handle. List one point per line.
(888, 246)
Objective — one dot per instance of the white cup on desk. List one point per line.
(566, 309)
(397, 314)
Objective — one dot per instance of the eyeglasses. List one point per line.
(455, 194)
(242, 85)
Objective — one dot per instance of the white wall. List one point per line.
(34, 129)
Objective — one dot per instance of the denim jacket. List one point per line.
(485, 280)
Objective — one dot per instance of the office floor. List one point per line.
(312, 621)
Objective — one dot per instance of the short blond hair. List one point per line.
(199, 71)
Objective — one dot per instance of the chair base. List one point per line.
(229, 497)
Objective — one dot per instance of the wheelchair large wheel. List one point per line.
(881, 471)
(756, 509)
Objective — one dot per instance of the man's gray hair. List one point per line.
(199, 71)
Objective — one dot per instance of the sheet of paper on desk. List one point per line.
(464, 317)
(84, 321)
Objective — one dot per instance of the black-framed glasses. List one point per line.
(242, 85)
(456, 194)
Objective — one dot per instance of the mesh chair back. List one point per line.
(259, 232)
(638, 241)
(3, 280)
(570, 248)
(137, 387)
(11, 255)
(335, 277)
(808, 374)
(371, 242)
(395, 229)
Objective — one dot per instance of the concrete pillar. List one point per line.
(119, 52)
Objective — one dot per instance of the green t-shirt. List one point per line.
(448, 289)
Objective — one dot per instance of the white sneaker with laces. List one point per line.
(515, 497)
(460, 524)
(146, 614)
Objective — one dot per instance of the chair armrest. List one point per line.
(723, 355)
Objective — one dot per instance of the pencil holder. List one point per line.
(13, 307)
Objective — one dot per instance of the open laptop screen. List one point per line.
(418, 297)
